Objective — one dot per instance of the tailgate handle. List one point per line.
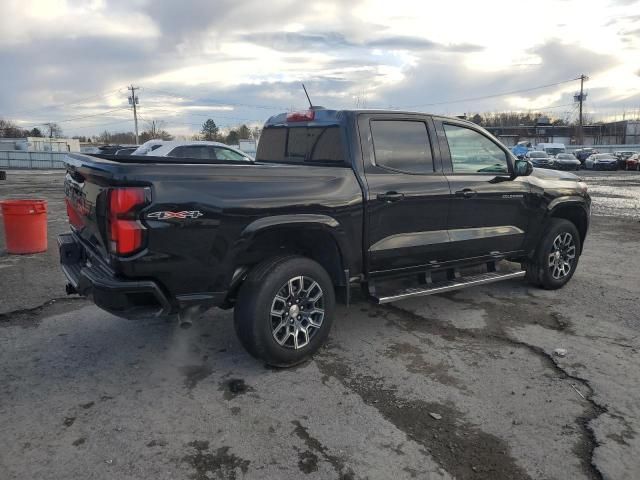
(390, 196)
(466, 193)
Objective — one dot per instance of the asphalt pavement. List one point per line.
(461, 385)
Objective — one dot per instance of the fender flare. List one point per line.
(322, 222)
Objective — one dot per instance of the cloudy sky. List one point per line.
(241, 61)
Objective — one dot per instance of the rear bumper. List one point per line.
(91, 277)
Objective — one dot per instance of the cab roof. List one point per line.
(320, 116)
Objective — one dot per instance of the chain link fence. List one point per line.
(32, 160)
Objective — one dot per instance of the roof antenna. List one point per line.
(305, 92)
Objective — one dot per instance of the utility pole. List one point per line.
(581, 98)
(133, 100)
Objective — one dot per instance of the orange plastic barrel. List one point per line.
(25, 225)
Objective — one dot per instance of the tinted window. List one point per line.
(538, 155)
(201, 152)
(472, 152)
(402, 145)
(226, 154)
(301, 144)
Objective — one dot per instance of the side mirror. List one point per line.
(522, 168)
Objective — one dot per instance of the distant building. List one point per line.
(40, 144)
(248, 146)
(625, 132)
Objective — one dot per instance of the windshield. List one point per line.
(604, 156)
(538, 155)
(565, 156)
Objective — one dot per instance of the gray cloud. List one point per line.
(293, 41)
(356, 54)
(435, 80)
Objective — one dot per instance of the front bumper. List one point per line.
(90, 276)
(566, 166)
(605, 166)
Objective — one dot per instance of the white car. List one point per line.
(148, 146)
(201, 150)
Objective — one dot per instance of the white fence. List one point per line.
(31, 160)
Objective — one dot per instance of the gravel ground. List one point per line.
(460, 385)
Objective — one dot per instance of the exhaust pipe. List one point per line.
(188, 315)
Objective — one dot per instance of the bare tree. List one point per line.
(155, 129)
(53, 130)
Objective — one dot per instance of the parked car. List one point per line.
(566, 161)
(201, 150)
(633, 162)
(148, 146)
(539, 159)
(622, 156)
(110, 149)
(601, 161)
(583, 153)
(335, 200)
(125, 151)
(551, 148)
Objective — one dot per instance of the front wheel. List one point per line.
(557, 255)
(285, 310)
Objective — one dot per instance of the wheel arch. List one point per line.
(575, 212)
(318, 237)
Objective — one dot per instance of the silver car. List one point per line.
(601, 161)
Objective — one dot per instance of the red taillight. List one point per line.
(125, 231)
(306, 116)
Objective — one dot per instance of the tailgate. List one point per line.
(86, 199)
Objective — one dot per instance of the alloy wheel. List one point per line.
(562, 256)
(297, 312)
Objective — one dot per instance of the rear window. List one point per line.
(301, 144)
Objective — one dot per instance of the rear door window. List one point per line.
(402, 145)
(226, 154)
(201, 152)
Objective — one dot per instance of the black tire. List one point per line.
(257, 328)
(540, 271)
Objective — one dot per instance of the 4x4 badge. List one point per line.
(180, 215)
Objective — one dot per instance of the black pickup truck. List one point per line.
(402, 204)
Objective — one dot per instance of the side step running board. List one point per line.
(447, 286)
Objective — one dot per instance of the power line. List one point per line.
(73, 119)
(217, 102)
(101, 124)
(77, 102)
(495, 95)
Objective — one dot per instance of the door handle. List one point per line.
(390, 196)
(466, 193)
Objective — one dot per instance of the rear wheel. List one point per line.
(285, 310)
(556, 257)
